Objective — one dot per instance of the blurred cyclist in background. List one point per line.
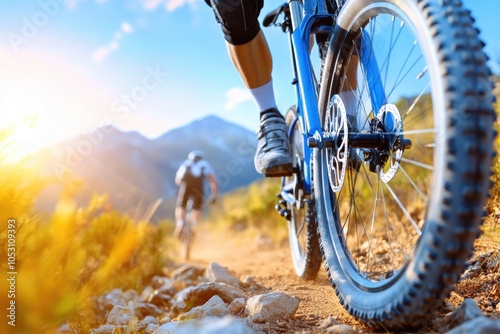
(190, 177)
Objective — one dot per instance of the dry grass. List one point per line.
(65, 259)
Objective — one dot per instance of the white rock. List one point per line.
(217, 273)
(271, 307)
(149, 320)
(120, 316)
(187, 272)
(215, 307)
(112, 298)
(208, 325)
(198, 295)
(481, 325)
(151, 328)
(341, 329)
(237, 306)
(468, 310)
(107, 329)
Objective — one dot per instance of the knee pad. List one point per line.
(238, 19)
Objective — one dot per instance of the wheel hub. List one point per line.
(385, 160)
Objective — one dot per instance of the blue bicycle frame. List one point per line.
(303, 17)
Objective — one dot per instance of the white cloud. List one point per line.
(151, 4)
(127, 28)
(72, 4)
(101, 53)
(236, 96)
(169, 5)
(104, 51)
(172, 5)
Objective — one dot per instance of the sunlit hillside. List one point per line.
(138, 173)
(494, 203)
(57, 262)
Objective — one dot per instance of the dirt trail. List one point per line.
(271, 266)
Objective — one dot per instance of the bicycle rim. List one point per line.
(393, 236)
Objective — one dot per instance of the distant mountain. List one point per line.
(136, 171)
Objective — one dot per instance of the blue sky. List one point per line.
(143, 65)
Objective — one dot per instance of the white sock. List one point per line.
(264, 96)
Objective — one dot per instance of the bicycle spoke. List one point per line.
(405, 62)
(396, 84)
(416, 100)
(415, 186)
(299, 217)
(416, 117)
(372, 225)
(388, 58)
(403, 208)
(388, 225)
(398, 80)
(416, 163)
(418, 132)
(361, 101)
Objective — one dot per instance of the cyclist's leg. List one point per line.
(254, 63)
(247, 46)
(250, 54)
(180, 209)
(253, 60)
(197, 204)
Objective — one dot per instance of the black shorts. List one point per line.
(186, 193)
(238, 19)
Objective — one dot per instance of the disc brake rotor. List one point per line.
(336, 123)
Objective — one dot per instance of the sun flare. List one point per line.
(45, 101)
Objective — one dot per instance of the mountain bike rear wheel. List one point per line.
(397, 226)
(302, 225)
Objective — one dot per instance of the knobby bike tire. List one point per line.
(302, 224)
(460, 100)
